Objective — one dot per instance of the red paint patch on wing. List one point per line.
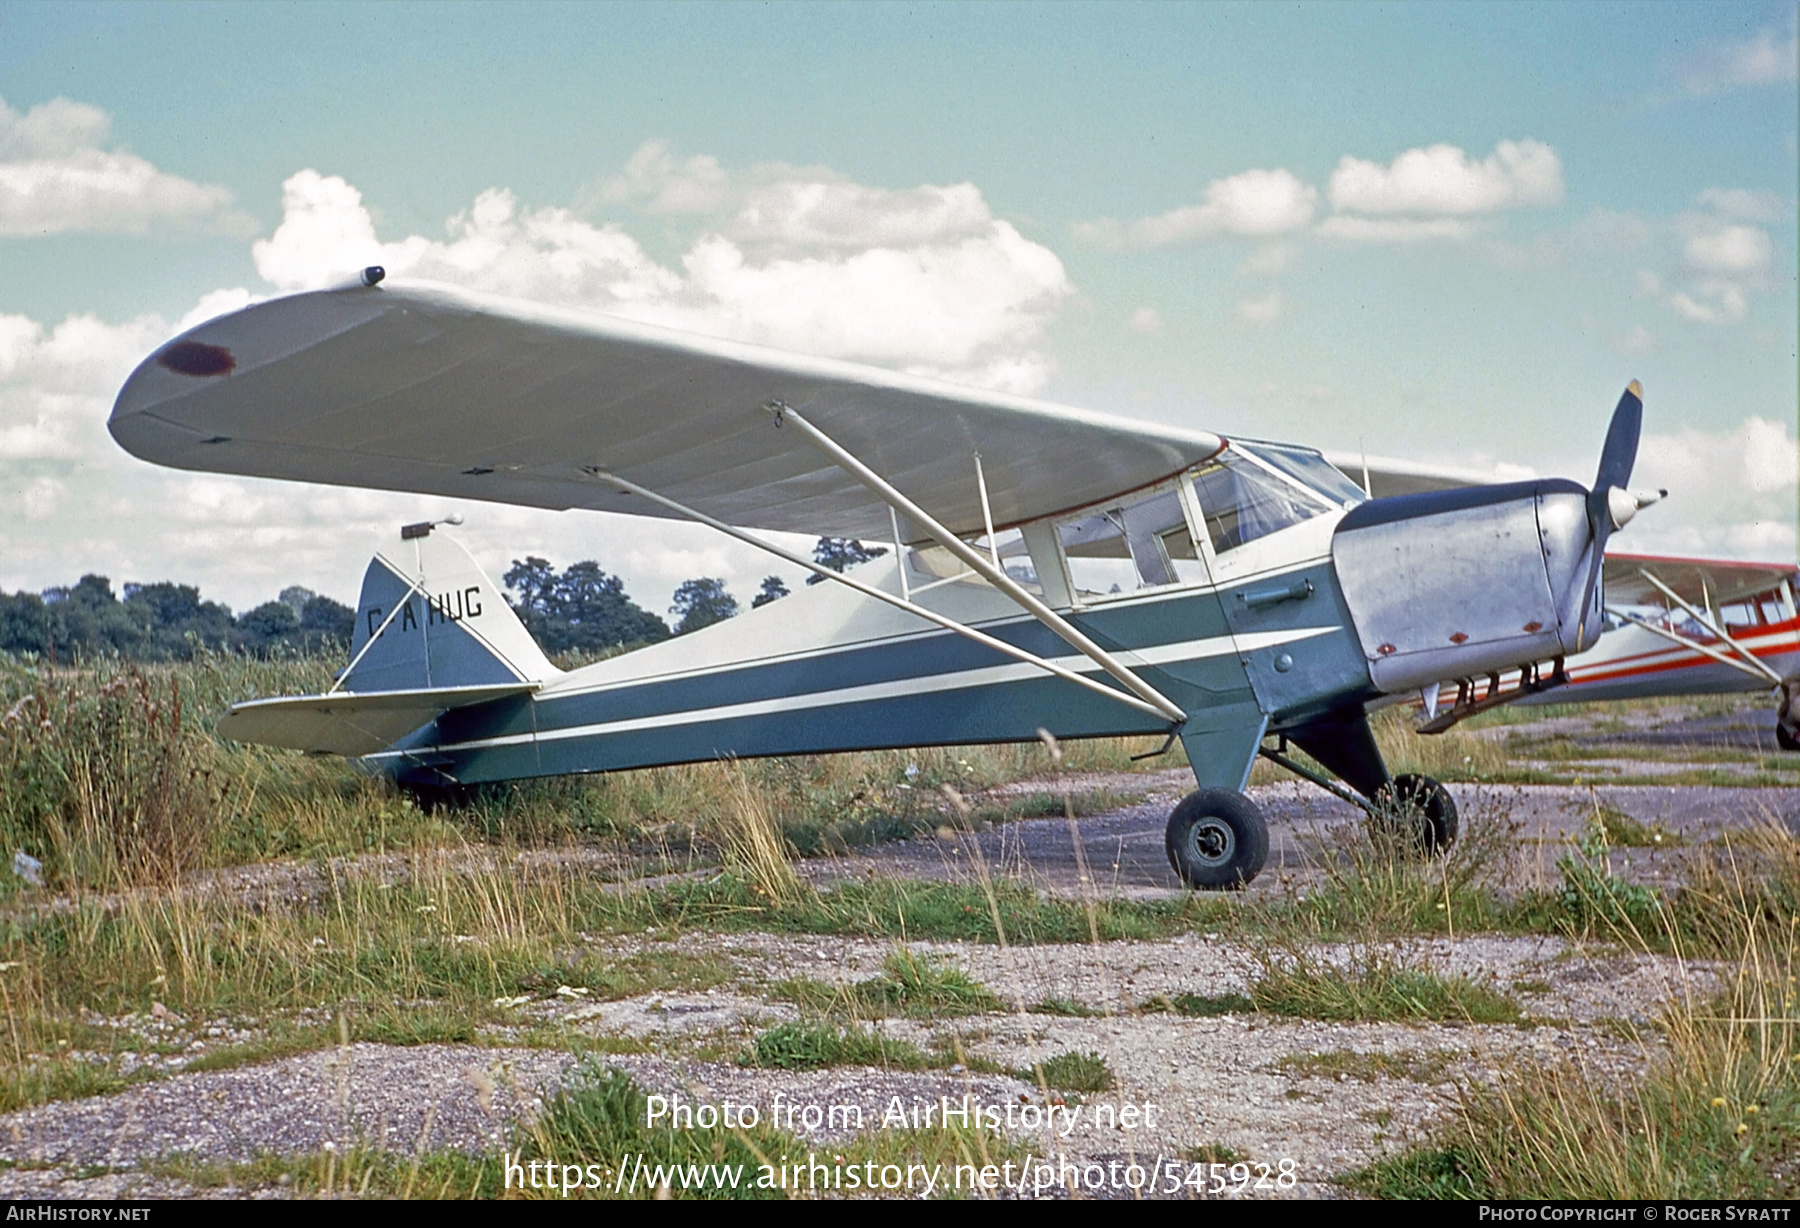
(198, 359)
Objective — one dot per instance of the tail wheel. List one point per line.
(1422, 812)
(1217, 840)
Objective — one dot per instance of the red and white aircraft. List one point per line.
(1675, 626)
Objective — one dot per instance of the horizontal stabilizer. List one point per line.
(351, 724)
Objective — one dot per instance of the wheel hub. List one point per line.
(1214, 842)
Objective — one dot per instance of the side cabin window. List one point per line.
(1009, 544)
(1242, 500)
(1133, 544)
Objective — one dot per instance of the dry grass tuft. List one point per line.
(750, 841)
(1717, 1115)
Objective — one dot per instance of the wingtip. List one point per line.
(1635, 389)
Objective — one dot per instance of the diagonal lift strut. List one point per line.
(974, 561)
(869, 590)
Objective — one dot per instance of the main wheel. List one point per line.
(439, 798)
(1217, 840)
(1784, 738)
(1424, 812)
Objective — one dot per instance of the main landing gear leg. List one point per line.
(1217, 838)
(1415, 810)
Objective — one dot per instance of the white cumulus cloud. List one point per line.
(1730, 251)
(56, 177)
(1394, 229)
(1442, 179)
(1731, 491)
(1637, 343)
(1725, 260)
(1254, 203)
(774, 208)
(56, 384)
(1768, 58)
(925, 279)
(1743, 204)
(1146, 320)
(1731, 488)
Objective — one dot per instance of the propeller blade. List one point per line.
(1620, 452)
(1617, 458)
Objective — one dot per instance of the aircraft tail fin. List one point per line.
(430, 618)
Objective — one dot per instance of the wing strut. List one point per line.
(869, 590)
(1762, 667)
(1694, 645)
(973, 560)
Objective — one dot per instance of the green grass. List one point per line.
(804, 1046)
(1376, 988)
(1201, 1006)
(895, 908)
(1071, 1072)
(910, 984)
(111, 775)
(1068, 1008)
(1368, 987)
(452, 936)
(1438, 1174)
(1213, 1153)
(1716, 1114)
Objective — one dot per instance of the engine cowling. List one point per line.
(1459, 583)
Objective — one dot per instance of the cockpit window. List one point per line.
(1309, 469)
(1242, 501)
(1143, 543)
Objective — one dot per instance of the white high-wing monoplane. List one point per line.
(1053, 569)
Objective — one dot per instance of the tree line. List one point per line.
(165, 622)
(580, 608)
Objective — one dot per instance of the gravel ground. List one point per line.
(1330, 1097)
(1125, 847)
(1227, 1080)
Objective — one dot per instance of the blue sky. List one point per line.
(1445, 232)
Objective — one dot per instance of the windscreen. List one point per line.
(1309, 469)
(1241, 501)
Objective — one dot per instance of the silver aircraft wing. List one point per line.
(439, 390)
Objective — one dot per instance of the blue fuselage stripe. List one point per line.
(935, 688)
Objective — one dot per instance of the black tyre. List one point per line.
(1423, 814)
(1217, 840)
(439, 798)
(1784, 737)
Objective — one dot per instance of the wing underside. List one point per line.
(1701, 582)
(439, 390)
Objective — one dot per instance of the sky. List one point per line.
(1449, 233)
